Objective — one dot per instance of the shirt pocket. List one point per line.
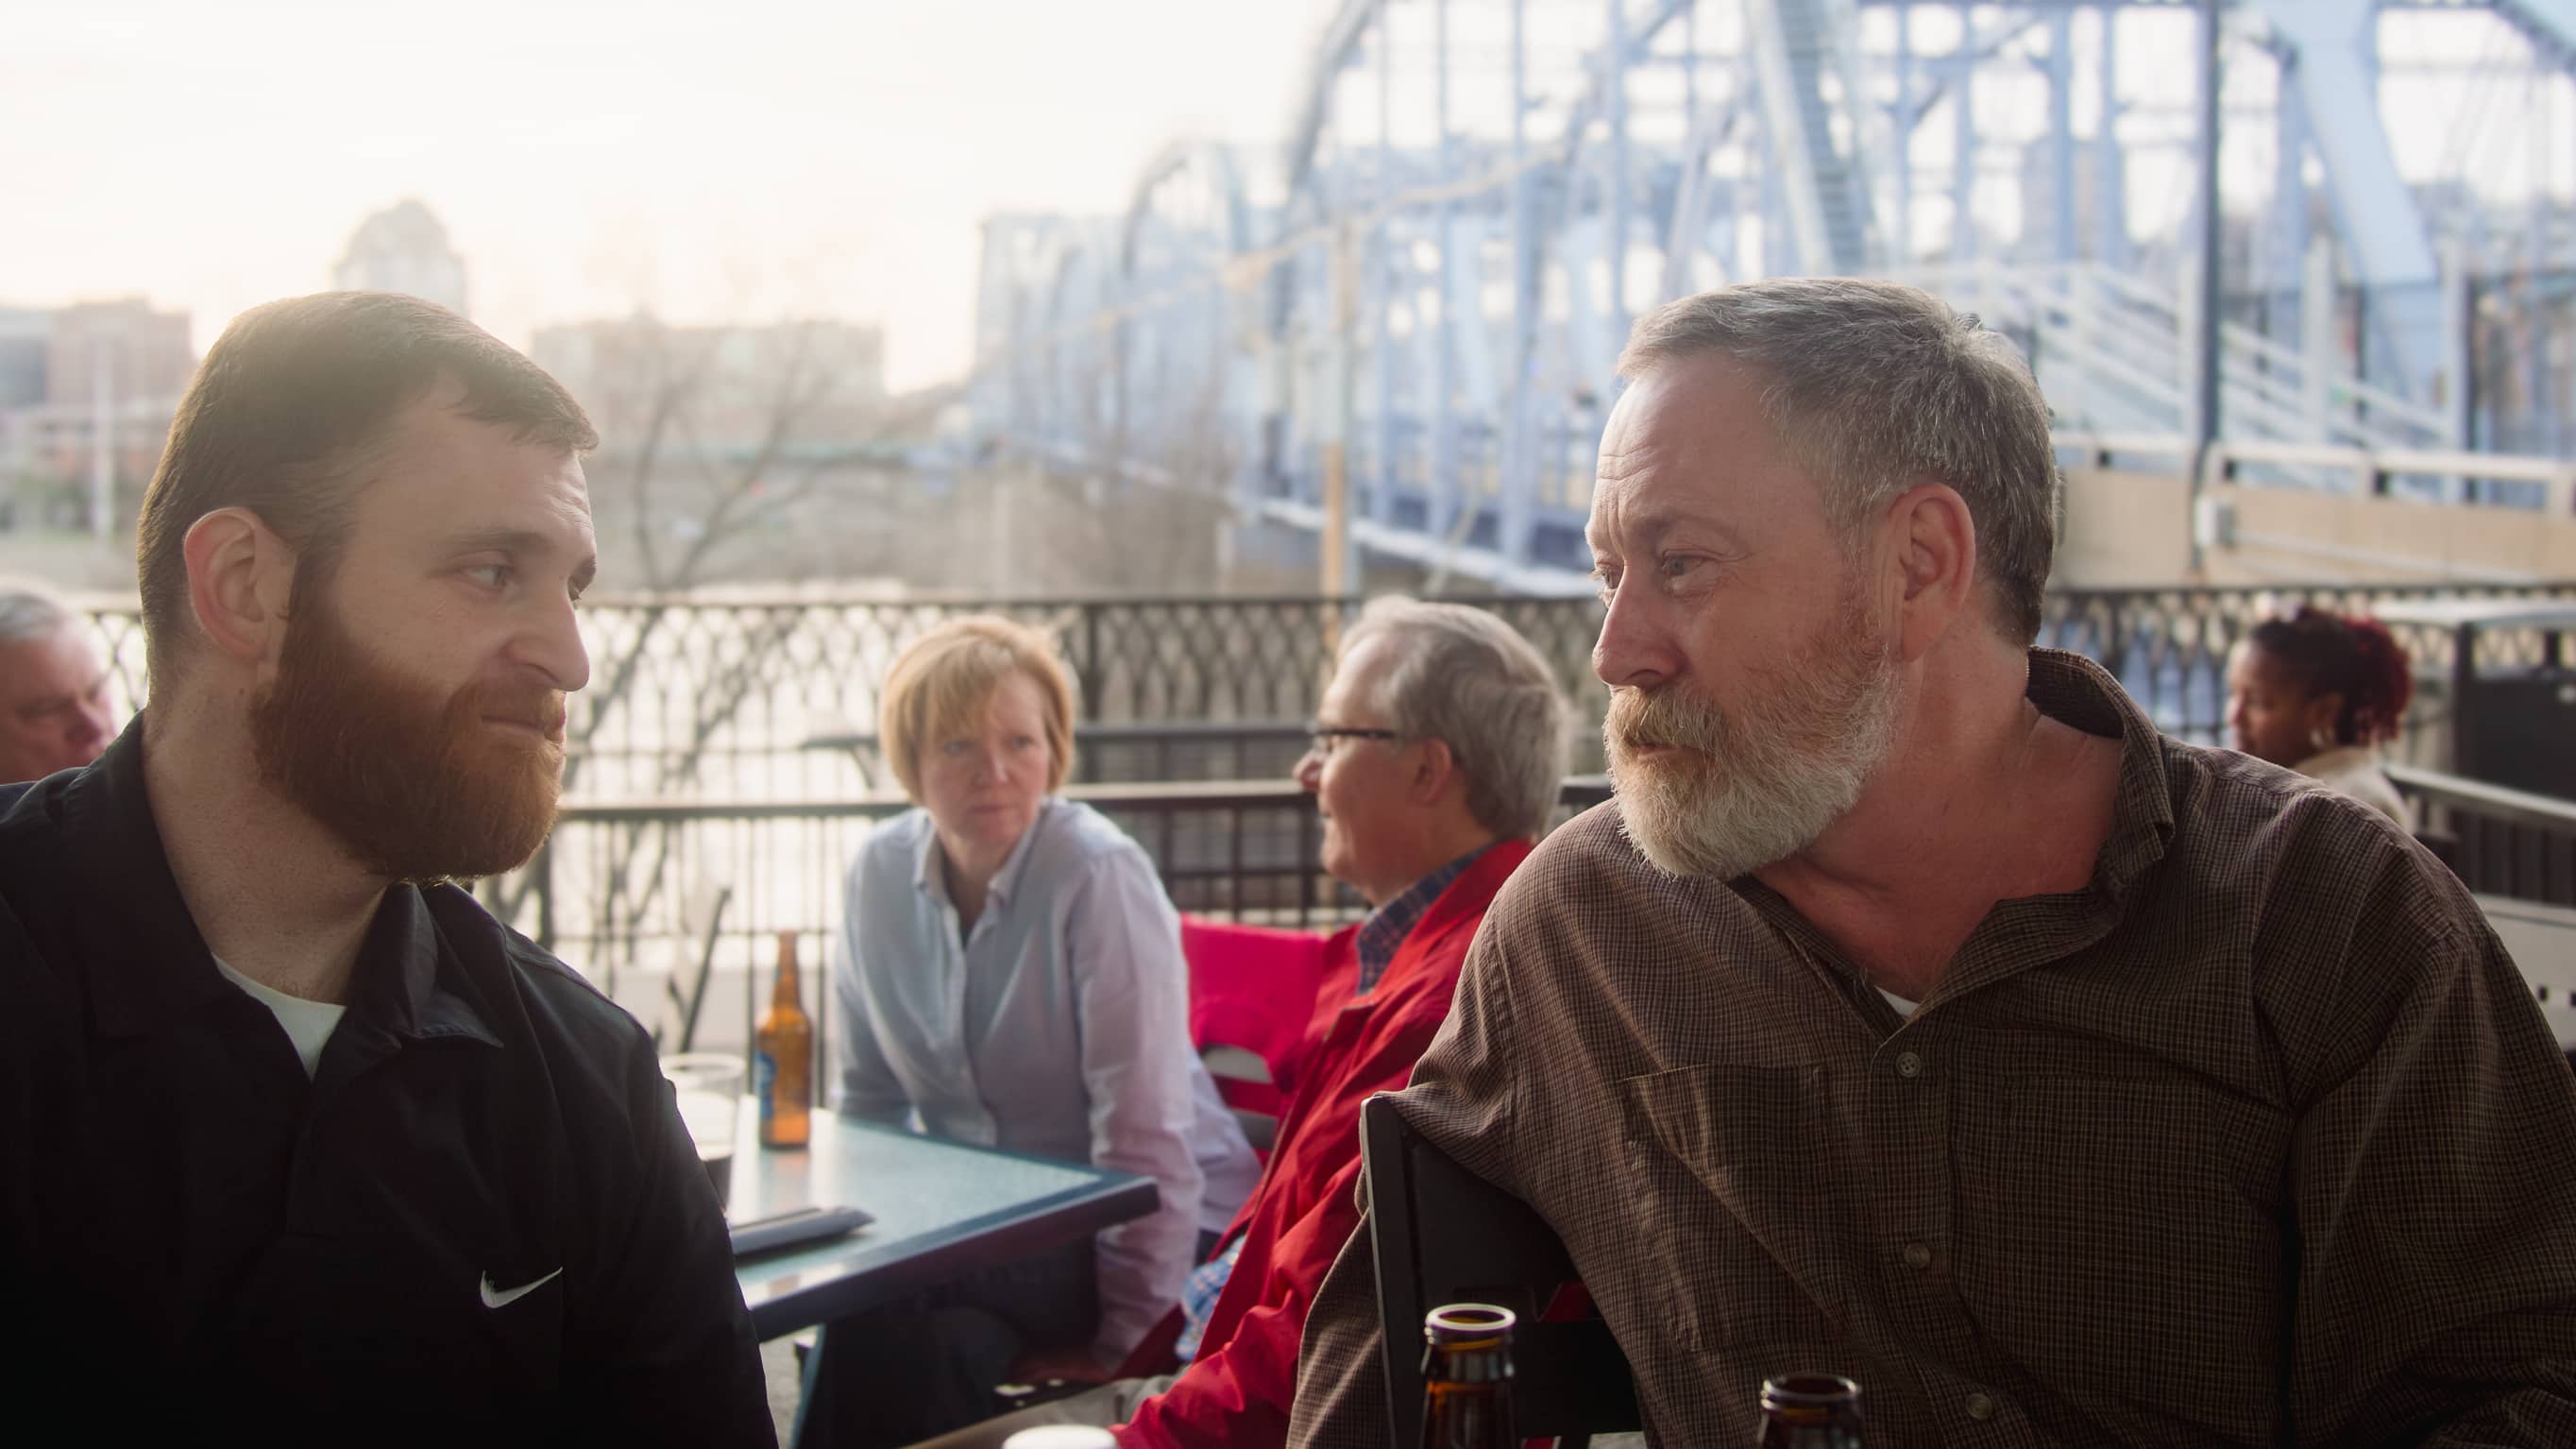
(1729, 1234)
(2124, 1229)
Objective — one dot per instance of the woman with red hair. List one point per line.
(2318, 692)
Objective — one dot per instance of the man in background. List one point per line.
(1440, 744)
(53, 689)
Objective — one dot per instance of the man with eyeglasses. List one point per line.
(1439, 744)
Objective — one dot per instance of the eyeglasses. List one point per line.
(1321, 737)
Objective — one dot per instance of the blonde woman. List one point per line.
(1010, 975)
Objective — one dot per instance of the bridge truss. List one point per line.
(1407, 315)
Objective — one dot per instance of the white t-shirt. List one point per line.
(1903, 1006)
(308, 1024)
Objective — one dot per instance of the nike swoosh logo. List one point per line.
(503, 1298)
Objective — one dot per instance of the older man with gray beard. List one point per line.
(1918, 1013)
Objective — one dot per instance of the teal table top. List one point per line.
(942, 1209)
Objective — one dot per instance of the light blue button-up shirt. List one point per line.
(1058, 1025)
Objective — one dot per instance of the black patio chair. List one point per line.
(1442, 1235)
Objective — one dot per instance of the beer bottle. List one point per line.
(1810, 1411)
(1467, 1378)
(783, 1072)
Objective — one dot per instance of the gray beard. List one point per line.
(1750, 793)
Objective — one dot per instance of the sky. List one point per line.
(751, 159)
(708, 161)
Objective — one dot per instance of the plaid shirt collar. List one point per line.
(1389, 924)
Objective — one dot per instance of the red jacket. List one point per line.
(1237, 1391)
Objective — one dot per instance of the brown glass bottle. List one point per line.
(783, 1071)
(1810, 1411)
(1467, 1378)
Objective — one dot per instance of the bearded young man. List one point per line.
(1917, 1013)
(298, 1144)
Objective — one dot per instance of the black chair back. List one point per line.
(1441, 1234)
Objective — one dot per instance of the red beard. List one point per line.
(417, 788)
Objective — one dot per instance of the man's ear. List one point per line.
(241, 576)
(1433, 773)
(1934, 567)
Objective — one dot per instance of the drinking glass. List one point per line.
(709, 1086)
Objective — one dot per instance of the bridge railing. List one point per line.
(2502, 842)
(2113, 350)
(2515, 481)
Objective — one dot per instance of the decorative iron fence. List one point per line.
(755, 696)
(2169, 646)
(1139, 751)
(723, 754)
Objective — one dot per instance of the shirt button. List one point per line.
(1980, 1407)
(1908, 1065)
(1917, 1256)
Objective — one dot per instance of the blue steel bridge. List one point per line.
(1404, 313)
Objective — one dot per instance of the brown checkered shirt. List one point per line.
(2258, 1139)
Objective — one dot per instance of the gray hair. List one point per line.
(1875, 384)
(1463, 677)
(31, 611)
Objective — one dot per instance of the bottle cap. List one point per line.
(1810, 1397)
(1458, 1322)
(1062, 1436)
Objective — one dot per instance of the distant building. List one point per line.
(404, 248)
(26, 334)
(103, 394)
(824, 379)
(124, 346)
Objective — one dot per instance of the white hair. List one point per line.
(1875, 385)
(1465, 678)
(31, 611)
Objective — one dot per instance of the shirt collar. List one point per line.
(139, 948)
(2079, 693)
(2076, 691)
(409, 977)
(1383, 933)
(146, 962)
(929, 878)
